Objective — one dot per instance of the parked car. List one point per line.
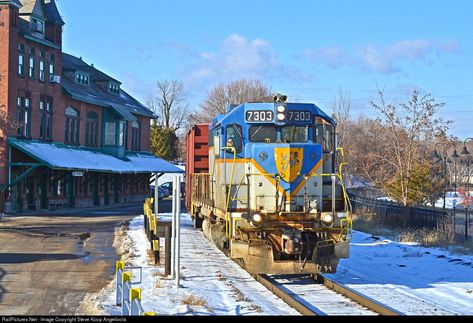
(162, 193)
(168, 187)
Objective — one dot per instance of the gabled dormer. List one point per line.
(34, 13)
(82, 78)
(114, 87)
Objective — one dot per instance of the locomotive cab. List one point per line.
(274, 197)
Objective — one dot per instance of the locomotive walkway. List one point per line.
(49, 262)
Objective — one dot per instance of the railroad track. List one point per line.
(325, 304)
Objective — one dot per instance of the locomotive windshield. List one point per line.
(262, 133)
(295, 133)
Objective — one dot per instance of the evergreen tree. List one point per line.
(421, 185)
(163, 142)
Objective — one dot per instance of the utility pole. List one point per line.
(177, 197)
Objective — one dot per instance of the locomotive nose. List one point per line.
(288, 161)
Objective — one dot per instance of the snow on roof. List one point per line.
(61, 156)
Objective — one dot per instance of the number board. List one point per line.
(259, 116)
(298, 116)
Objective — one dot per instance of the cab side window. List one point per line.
(234, 137)
(324, 134)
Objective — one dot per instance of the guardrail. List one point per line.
(128, 297)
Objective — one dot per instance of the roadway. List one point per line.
(50, 261)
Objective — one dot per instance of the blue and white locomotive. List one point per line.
(273, 198)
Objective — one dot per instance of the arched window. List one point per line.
(135, 136)
(91, 130)
(72, 126)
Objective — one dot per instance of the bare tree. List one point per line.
(7, 122)
(236, 92)
(406, 128)
(169, 104)
(341, 106)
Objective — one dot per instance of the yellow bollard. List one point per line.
(156, 245)
(135, 293)
(126, 277)
(120, 265)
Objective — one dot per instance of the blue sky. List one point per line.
(308, 50)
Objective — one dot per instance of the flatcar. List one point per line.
(270, 193)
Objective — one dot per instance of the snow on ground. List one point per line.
(452, 199)
(211, 283)
(408, 277)
(412, 279)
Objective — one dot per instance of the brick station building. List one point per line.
(73, 137)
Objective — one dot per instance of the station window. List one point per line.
(82, 79)
(24, 116)
(42, 57)
(91, 129)
(72, 126)
(110, 133)
(114, 88)
(21, 60)
(31, 67)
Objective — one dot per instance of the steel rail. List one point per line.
(361, 299)
(285, 296)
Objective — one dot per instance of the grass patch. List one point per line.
(424, 237)
(193, 300)
(159, 284)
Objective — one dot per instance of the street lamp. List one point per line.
(466, 154)
(455, 158)
(442, 157)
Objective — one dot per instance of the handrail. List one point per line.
(227, 219)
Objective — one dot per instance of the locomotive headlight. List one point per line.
(281, 108)
(281, 116)
(257, 218)
(327, 218)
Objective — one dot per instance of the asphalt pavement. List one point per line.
(50, 261)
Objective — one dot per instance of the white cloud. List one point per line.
(381, 59)
(385, 59)
(237, 57)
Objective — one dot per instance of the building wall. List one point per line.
(134, 187)
(145, 132)
(83, 109)
(8, 38)
(24, 86)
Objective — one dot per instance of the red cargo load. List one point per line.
(197, 156)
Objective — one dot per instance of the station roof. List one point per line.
(61, 156)
(122, 103)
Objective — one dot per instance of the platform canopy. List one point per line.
(65, 157)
